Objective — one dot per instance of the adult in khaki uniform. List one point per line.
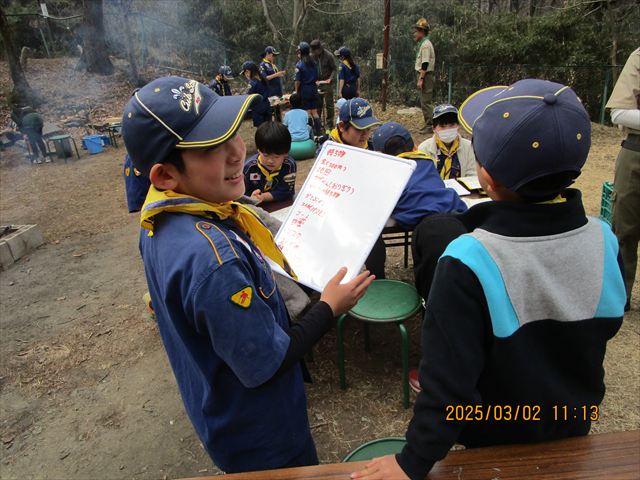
(326, 69)
(625, 112)
(425, 63)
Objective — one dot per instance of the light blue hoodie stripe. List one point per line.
(475, 256)
(613, 295)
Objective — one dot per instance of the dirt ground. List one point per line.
(86, 390)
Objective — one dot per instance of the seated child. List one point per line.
(297, 120)
(270, 174)
(234, 352)
(522, 307)
(425, 193)
(453, 154)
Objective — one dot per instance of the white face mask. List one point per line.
(448, 135)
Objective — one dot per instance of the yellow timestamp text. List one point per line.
(580, 412)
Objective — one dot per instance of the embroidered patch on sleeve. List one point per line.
(254, 177)
(243, 297)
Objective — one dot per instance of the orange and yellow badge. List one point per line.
(243, 297)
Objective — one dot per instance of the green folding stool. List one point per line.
(385, 301)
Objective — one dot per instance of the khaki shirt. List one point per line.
(466, 157)
(626, 93)
(426, 53)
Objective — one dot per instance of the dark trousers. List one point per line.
(377, 258)
(36, 141)
(429, 241)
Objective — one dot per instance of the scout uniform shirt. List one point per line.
(219, 86)
(425, 194)
(136, 186)
(307, 75)
(279, 183)
(426, 53)
(350, 74)
(626, 93)
(275, 85)
(225, 328)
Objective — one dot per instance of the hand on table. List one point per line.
(383, 468)
(257, 195)
(343, 297)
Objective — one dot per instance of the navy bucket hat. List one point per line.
(529, 130)
(178, 113)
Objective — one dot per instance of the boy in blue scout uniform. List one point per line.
(235, 355)
(425, 193)
(136, 186)
(269, 70)
(260, 110)
(270, 174)
(220, 84)
(304, 81)
(355, 124)
(348, 74)
(521, 307)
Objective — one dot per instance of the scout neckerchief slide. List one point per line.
(269, 176)
(445, 167)
(169, 201)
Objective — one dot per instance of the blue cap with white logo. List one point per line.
(358, 113)
(271, 49)
(178, 113)
(529, 130)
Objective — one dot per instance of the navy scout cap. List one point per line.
(176, 112)
(531, 129)
(358, 113)
(443, 109)
(386, 132)
(342, 52)
(271, 49)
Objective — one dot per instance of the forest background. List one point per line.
(478, 43)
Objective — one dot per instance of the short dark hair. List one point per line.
(175, 158)
(446, 118)
(273, 137)
(397, 145)
(295, 100)
(547, 187)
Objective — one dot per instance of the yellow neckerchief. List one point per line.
(415, 155)
(275, 68)
(558, 199)
(158, 201)
(346, 63)
(268, 174)
(445, 172)
(335, 136)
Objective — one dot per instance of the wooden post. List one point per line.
(385, 53)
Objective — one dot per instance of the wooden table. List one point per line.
(614, 456)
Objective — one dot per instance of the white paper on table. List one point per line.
(474, 201)
(340, 211)
(470, 182)
(458, 188)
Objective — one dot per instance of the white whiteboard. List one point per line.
(340, 211)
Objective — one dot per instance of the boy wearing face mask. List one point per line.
(454, 154)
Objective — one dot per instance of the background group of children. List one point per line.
(522, 296)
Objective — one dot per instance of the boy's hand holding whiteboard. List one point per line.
(342, 297)
(341, 211)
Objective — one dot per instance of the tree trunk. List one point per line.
(22, 92)
(95, 53)
(126, 10)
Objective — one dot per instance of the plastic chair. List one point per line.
(62, 146)
(376, 448)
(385, 301)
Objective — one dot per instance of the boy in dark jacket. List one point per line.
(521, 308)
